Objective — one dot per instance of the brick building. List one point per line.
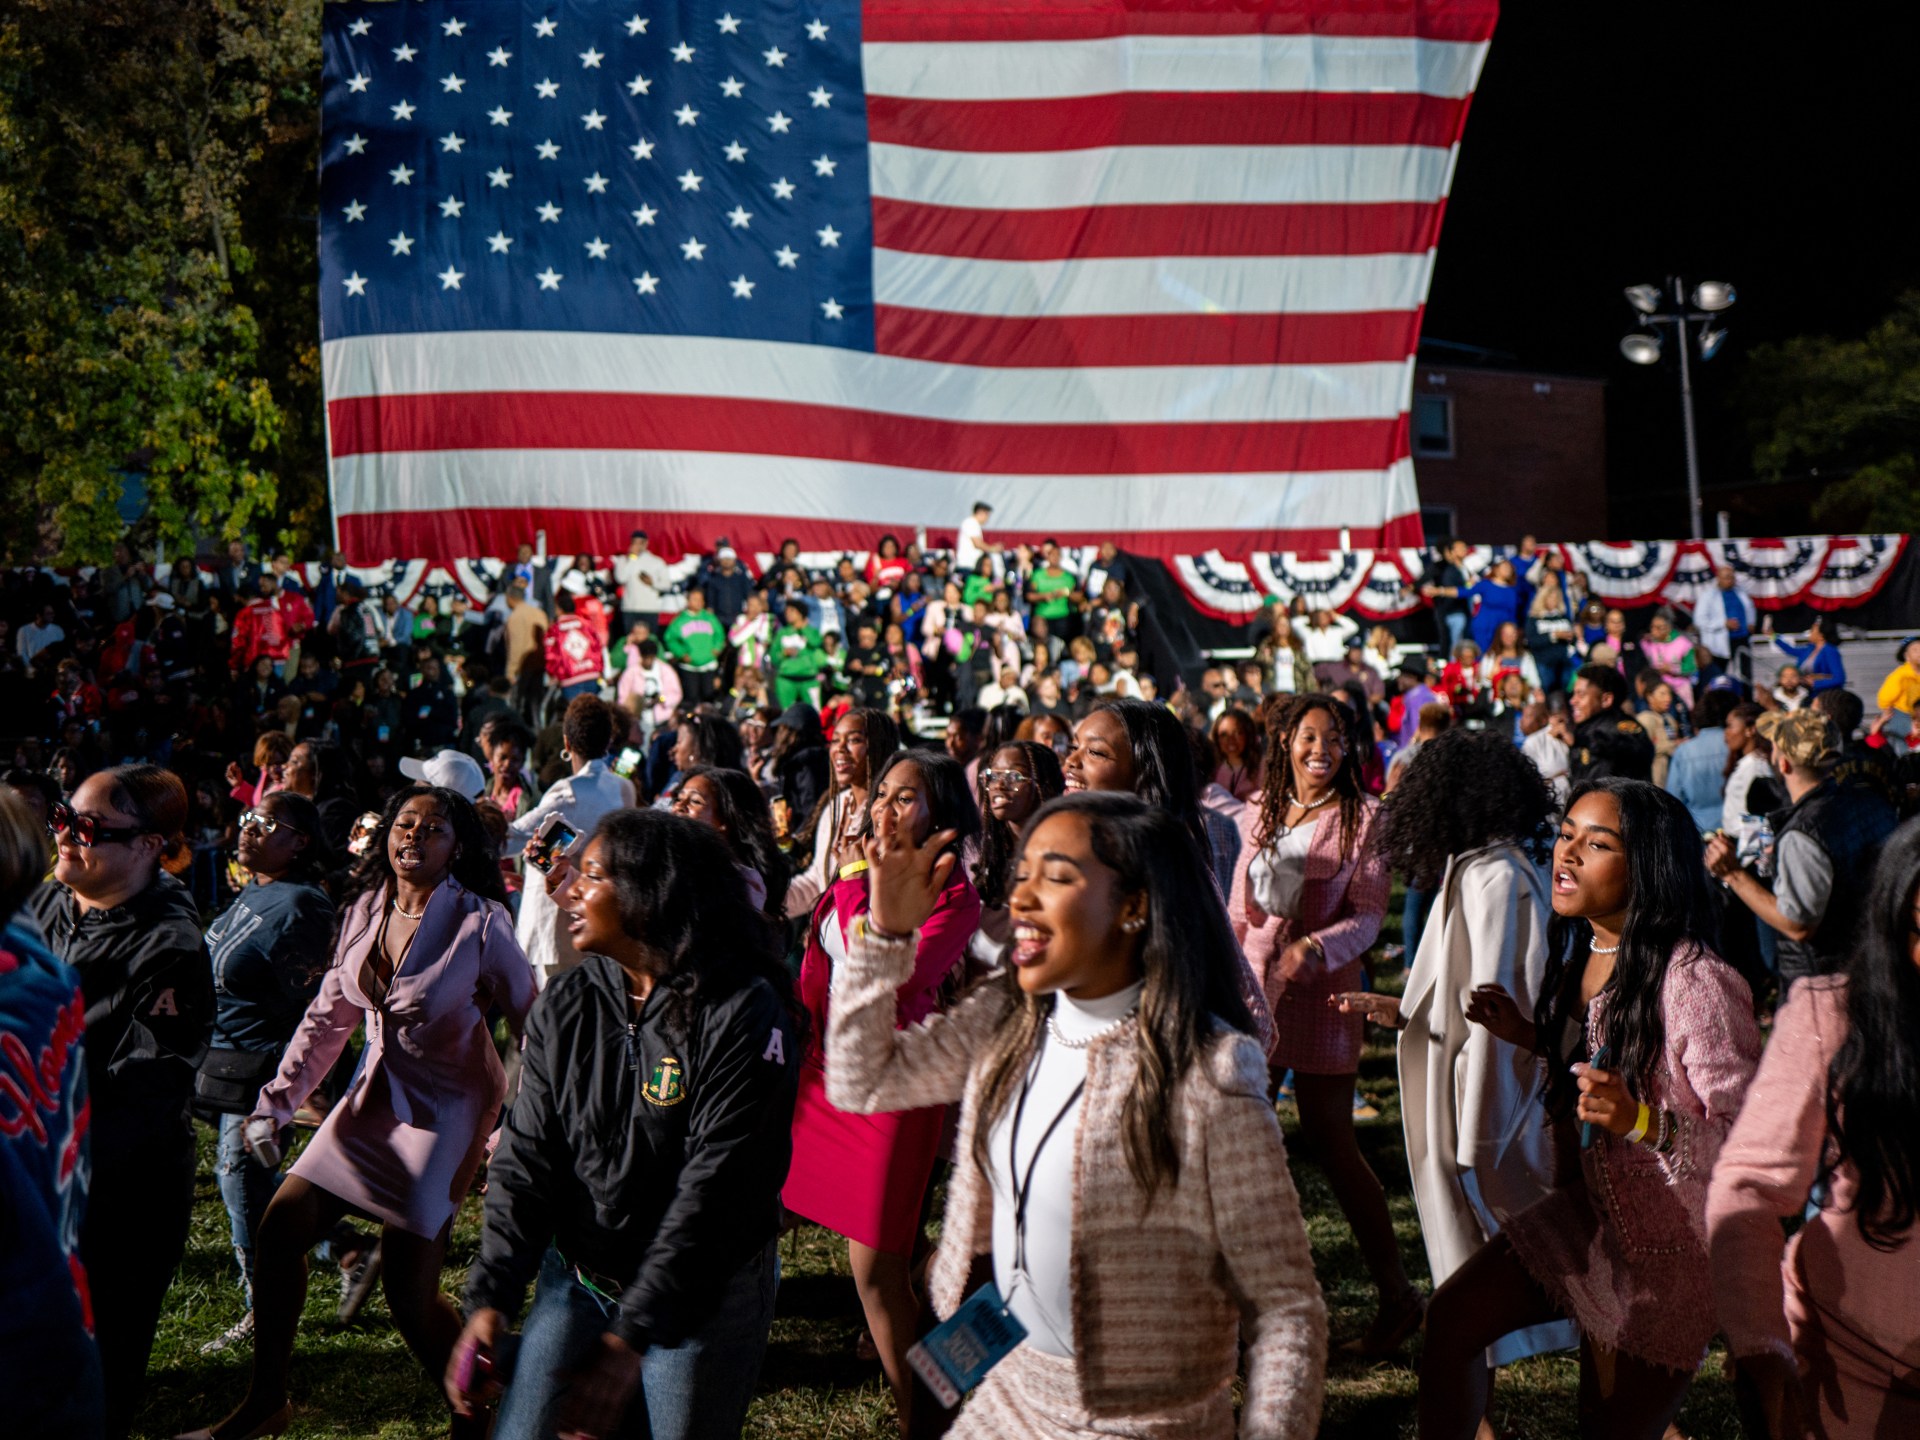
(1499, 454)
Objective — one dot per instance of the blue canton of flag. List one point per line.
(529, 165)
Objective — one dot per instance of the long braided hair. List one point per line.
(1276, 790)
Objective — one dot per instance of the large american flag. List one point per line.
(815, 268)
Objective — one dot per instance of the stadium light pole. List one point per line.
(1643, 347)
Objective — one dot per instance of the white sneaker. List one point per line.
(230, 1337)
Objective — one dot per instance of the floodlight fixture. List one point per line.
(1644, 298)
(1642, 347)
(1713, 295)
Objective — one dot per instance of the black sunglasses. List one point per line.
(84, 830)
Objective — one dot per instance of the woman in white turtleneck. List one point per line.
(1034, 1158)
(1117, 1158)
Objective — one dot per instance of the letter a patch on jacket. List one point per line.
(664, 1086)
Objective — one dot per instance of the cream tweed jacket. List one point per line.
(1162, 1295)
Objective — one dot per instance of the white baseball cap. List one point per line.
(451, 770)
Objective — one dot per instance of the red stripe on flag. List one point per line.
(1116, 231)
(1066, 341)
(1087, 122)
(559, 420)
(929, 21)
(444, 534)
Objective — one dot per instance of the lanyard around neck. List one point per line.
(1023, 1186)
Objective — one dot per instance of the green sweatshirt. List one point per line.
(797, 662)
(696, 640)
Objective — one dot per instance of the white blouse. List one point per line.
(1277, 875)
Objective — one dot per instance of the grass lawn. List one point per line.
(361, 1382)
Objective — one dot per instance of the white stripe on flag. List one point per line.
(1053, 69)
(573, 362)
(1182, 285)
(1162, 175)
(668, 481)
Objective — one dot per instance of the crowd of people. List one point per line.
(670, 926)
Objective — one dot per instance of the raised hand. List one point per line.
(1493, 1007)
(905, 876)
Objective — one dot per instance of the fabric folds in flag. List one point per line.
(813, 268)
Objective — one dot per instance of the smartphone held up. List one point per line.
(554, 838)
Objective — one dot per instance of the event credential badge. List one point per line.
(954, 1356)
(664, 1086)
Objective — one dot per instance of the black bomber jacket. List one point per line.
(648, 1149)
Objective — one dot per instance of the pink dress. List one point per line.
(1342, 902)
(404, 1142)
(864, 1176)
(1847, 1313)
(1621, 1246)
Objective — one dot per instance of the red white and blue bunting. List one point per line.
(1372, 584)
(1827, 572)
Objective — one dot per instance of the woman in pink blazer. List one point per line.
(866, 1176)
(1309, 892)
(1647, 1045)
(423, 954)
(1825, 1328)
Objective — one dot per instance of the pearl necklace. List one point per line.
(1305, 810)
(410, 914)
(1069, 1043)
(1604, 949)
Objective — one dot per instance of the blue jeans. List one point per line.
(1455, 622)
(696, 1390)
(246, 1186)
(579, 688)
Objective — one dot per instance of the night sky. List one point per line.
(1613, 144)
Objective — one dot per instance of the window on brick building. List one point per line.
(1433, 426)
(1439, 523)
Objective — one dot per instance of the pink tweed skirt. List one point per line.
(1036, 1396)
(1309, 1036)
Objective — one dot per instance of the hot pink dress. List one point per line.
(404, 1142)
(864, 1176)
(1621, 1245)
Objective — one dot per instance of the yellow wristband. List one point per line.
(1640, 1126)
(852, 868)
(863, 926)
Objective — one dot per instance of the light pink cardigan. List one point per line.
(1341, 903)
(1825, 1297)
